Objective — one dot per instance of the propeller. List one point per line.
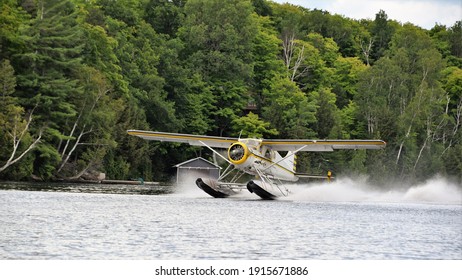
(236, 152)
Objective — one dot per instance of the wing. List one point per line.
(323, 145)
(194, 140)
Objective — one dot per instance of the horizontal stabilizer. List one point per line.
(300, 175)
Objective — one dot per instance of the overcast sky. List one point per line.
(424, 13)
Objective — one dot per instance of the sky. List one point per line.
(423, 13)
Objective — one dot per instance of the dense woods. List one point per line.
(76, 74)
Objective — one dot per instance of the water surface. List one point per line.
(76, 225)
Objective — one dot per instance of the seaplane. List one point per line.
(258, 157)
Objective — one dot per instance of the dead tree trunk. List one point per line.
(366, 49)
(16, 141)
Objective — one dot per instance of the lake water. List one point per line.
(342, 220)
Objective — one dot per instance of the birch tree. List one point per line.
(47, 76)
(15, 139)
(92, 125)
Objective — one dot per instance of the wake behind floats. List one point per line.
(257, 157)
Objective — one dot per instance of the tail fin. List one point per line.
(291, 159)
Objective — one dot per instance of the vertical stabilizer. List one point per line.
(290, 161)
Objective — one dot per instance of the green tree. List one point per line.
(165, 16)
(381, 33)
(288, 20)
(138, 53)
(218, 37)
(12, 18)
(452, 134)
(327, 47)
(90, 134)
(304, 65)
(381, 89)
(252, 126)
(76, 74)
(266, 58)
(288, 110)
(262, 7)
(15, 139)
(327, 114)
(402, 101)
(345, 79)
(128, 11)
(344, 32)
(47, 76)
(352, 127)
(455, 33)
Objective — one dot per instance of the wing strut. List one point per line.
(215, 152)
(268, 181)
(288, 154)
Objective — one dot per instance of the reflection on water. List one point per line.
(75, 225)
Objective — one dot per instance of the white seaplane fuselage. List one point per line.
(260, 160)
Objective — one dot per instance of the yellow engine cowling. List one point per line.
(238, 153)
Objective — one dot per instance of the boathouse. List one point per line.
(190, 170)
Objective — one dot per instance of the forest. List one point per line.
(75, 75)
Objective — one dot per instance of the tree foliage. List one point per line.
(75, 75)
